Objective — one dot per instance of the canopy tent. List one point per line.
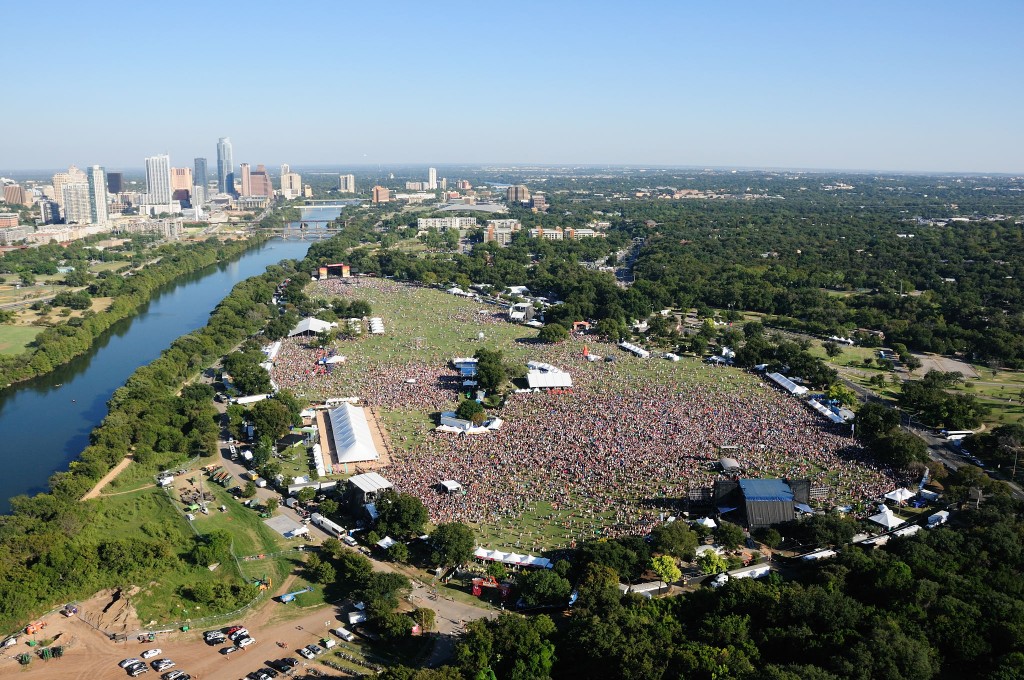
(787, 384)
(512, 558)
(386, 543)
(450, 485)
(540, 379)
(729, 464)
(311, 325)
(900, 495)
(336, 359)
(887, 519)
(351, 437)
(803, 507)
(707, 522)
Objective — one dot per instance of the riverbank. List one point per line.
(59, 345)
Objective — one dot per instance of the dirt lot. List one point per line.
(934, 362)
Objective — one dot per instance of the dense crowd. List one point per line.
(631, 439)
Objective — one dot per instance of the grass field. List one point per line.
(14, 339)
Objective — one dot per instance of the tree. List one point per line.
(328, 506)
(272, 504)
(401, 515)
(832, 349)
(730, 535)
(425, 617)
(711, 562)
(271, 418)
(676, 539)
(452, 544)
(249, 491)
(399, 552)
(543, 587)
(325, 573)
(498, 570)
(553, 333)
(471, 410)
(874, 420)
(306, 494)
(770, 537)
(900, 448)
(843, 394)
(666, 568)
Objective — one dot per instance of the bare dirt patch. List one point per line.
(935, 362)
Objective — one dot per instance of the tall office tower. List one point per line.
(158, 180)
(72, 176)
(432, 179)
(97, 195)
(246, 180)
(291, 183)
(115, 182)
(259, 182)
(76, 202)
(49, 211)
(347, 184)
(381, 195)
(14, 194)
(225, 166)
(199, 182)
(517, 194)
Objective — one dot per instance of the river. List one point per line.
(45, 422)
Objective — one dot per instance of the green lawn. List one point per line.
(14, 339)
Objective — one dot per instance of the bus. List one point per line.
(327, 525)
(956, 435)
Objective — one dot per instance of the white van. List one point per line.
(344, 634)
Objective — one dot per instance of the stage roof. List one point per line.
(766, 490)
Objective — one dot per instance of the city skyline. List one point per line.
(801, 86)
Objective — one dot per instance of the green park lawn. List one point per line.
(14, 339)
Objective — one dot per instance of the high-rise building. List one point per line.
(431, 179)
(181, 178)
(49, 211)
(158, 180)
(246, 180)
(115, 182)
(199, 182)
(76, 202)
(14, 194)
(72, 176)
(259, 182)
(539, 202)
(381, 194)
(97, 195)
(517, 193)
(347, 184)
(225, 166)
(291, 183)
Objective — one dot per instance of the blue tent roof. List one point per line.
(766, 490)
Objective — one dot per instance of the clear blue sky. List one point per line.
(873, 85)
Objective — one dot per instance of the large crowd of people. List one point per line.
(631, 439)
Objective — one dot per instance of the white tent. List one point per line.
(311, 325)
(887, 519)
(352, 441)
(450, 485)
(707, 522)
(900, 495)
(336, 359)
(386, 542)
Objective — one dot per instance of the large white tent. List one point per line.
(900, 495)
(886, 518)
(311, 325)
(512, 558)
(350, 434)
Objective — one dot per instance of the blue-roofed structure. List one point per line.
(766, 490)
(762, 502)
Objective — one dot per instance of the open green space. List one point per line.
(14, 339)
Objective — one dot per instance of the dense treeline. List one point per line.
(60, 344)
(151, 418)
(946, 603)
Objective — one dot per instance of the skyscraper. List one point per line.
(115, 182)
(347, 184)
(72, 176)
(291, 182)
(246, 180)
(225, 166)
(97, 195)
(76, 202)
(432, 179)
(259, 182)
(158, 180)
(199, 182)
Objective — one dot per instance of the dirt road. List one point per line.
(108, 478)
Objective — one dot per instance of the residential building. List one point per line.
(49, 211)
(501, 231)
(246, 180)
(259, 182)
(539, 202)
(555, 234)
(200, 181)
(97, 195)
(514, 225)
(347, 184)
(225, 166)
(115, 182)
(517, 193)
(14, 194)
(291, 183)
(158, 180)
(11, 235)
(76, 203)
(463, 185)
(446, 223)
(8, 219)
(72, 176)
(431, 179)
(381, 194)
(307, 191)
(416, 186)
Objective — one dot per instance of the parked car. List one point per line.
(137, 669)
(162, 665)
(128, 662)
(150, 653)
(173, 675)
(269, 670)
(229, 650)
(307, 653)
(245, 641)
(240, 633)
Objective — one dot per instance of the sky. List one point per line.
(875, 85)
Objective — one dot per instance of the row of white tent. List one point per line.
(376, 325)
(512, 558)
(635, 349)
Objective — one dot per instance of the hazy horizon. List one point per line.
(802, 87)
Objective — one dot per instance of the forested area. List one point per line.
(60, 344)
